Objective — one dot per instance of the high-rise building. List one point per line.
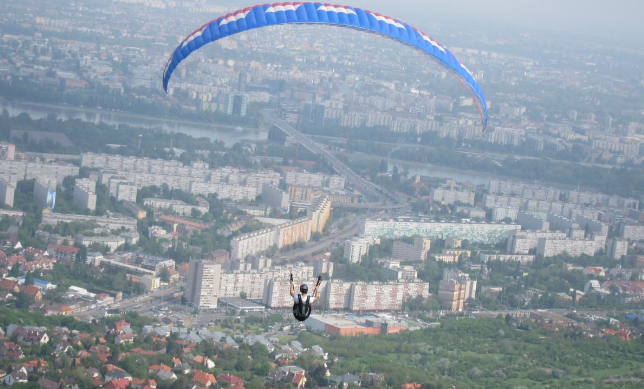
(393, 271)
(573, 247)
(202, 287)
(455, 288)
(616, 248)
(473, 232)
(411, 252)
(275, 197)
(45, 193)
(7, 193)
(451, 196)
(85, 194)
(357, 247)
(322, 264)
(319, 213)
(292, 232)
(252, 243)
(237, 105)
(126, 191)
(7, 151)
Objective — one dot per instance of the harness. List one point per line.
(301, 310)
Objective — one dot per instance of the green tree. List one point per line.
(29, 278)
(15, 270)
(165, 275)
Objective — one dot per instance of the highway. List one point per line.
(326, 242)
(369, 189)
(130, 304)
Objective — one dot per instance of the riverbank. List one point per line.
(229, 134)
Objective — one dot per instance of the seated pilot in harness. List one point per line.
(302, 301)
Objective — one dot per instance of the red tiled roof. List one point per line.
(230, 379)
(30, 290)
(160, 367)
(203, 378)
(121, 383)
(8, 285)
(63, 249)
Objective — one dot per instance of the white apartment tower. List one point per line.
(202, 287)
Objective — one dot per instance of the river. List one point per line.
(442, 172)
(227, 134)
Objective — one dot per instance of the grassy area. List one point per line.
(488, 353)
(285, 339)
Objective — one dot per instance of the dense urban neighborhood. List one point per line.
(148, 240)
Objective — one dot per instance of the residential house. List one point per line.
(229, 379)
(154, 369)
(124, 338)
(12, 350)
(350, 379)
(16, 376)
(117, 384)
(36, 366)
(9, 286)
(32, 337)
(117, 374)
(48, 384)
(204, 378)
(120, 327)
(203, 361)
(33, 292)
(164, 375)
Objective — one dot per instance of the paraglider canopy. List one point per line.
(325, 14)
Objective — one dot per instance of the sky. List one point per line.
(598, 17)
(621, 19)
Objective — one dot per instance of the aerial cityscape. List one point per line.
(464, 214)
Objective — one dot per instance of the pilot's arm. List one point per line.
(292, 287)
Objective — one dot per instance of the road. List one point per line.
(369, 189)
(129, 304)
(326, 242)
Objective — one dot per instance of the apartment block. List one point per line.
(357, 247)
(616, 248)
(523, 258)
(301, 193)
(112, 223)
(531, 221)
(633, 232)
(319, 213)
(455, 288)
(411, 252)
(473, 232)
(292, 232)
(178, 207)
(252, 243)
(7, 193)
(275, 197)
(203, 284)
(314, 180)
(85, 194)
(503, 213)
(392, 270)
(447, 258)
(45, 192)
(322, 264)
(451, 196)
(126, 191)
(574, 247)
(7, 151)
(521, 242)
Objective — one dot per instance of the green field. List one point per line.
(488, 353)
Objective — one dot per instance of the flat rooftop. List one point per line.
(241, 304)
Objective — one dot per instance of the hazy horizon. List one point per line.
(619, 18)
